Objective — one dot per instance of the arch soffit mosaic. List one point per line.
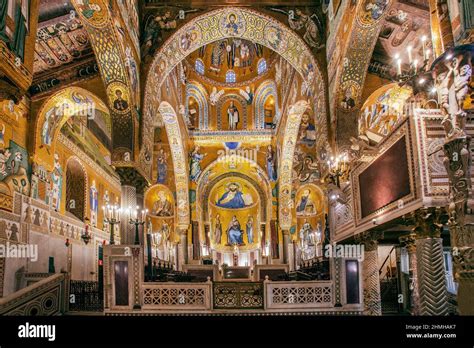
(110, 55)
(67, 101)
(178, 154)
(285, 212)
(250, 25)
(362, 40)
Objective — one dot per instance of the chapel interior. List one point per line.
(308, 157)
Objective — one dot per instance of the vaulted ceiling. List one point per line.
(61, 39)
(406, 22)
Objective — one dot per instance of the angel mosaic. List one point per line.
(310, 23)
(157, 24)
(373, 10)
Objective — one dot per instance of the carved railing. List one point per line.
(45, 297)
(298, 295)
(238, 295)
(177, 296)
(85, 296)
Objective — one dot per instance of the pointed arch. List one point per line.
(117, 60)
(256, 176)
(266, 89)
(350, 82)
(180, 160)
(243, 105)
(197, 91)
(55, 111)
(76, 188)
(285, 213)
(212, 26)
(252, 25)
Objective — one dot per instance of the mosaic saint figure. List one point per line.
(162, 206)
(218, 230)
(132, 72)
(162, 166)
(120, 104)
(195, 165)
(348, 102)
(46, 129)
(249, 229)
(57, 181)
(234, 232)
(233, 116)
(94, 203)
(305, 205)
(217, 56)
(271, 164)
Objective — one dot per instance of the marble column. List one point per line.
(460, 225)
(409, 242)
(286, 245)
(129, 199)
(370, 272)
(2, 274)
(141, 229)
(291, 256)
(183, 247)
(431, 276)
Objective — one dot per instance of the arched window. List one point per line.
(261, 66)
(199, 66)
(75, 189)
(230, 76)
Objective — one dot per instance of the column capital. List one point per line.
(428, 222)
(369, 239)
(408, 241)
